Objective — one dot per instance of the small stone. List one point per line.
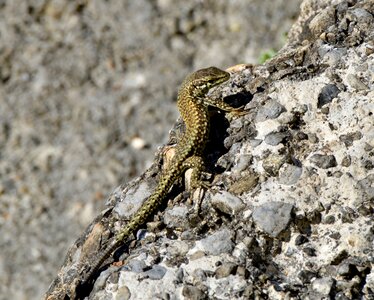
(193, 293)
(324, 161)
(156, 273)
(137, 266)
(348, 139)
(325, 110)
(273, 217)
(133, 200)
(341, 296)
(300, 136)
(367, 185)
(179, 275)
(348, 215)
(275, 138)
(271, 110)
(123, 293)
(346, 161)
(289, 174)
(138, 143)
(243, 163)
(225, 270)
(334, 56)
(301, 239)
(323, 285)
(306, 276)
(177, 249)
(313, 138)
(242, 271)
(244, 184)
(309, 251)
(335, 235)
(327, 94)
(339, 257)
(322, 21)
(200, 275)
(217, 243)
(356, 83)
(227, 203)
(330, 219)
(176, 217)
(255, 142)
(197, 255)
(347, 269)
(273, 163)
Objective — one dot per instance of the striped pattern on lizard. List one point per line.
(193, 106)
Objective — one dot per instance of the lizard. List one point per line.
(193, 106)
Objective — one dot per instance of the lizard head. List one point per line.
(203, 80)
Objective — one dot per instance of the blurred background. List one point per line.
(87, 93)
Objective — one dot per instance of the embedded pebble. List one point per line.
(273, 217)
(327, 94)
(217, 243)
(289, 174)
(136, 265)
(227, 203)
(323, 285)
(176, 217)
(271, 110)
(324, 161)
(156, 273)
(356, 83)
(192, 292)
(225, 270)
(123, 293)
(274, 138)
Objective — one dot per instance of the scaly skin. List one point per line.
(193, 106)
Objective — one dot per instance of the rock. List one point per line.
(227, 203)
(176, 217)
(326, 95)
(271, 110)
(274, 138)
(323, 285)
(255, 245)
(136, 265)
(123, 293)
(306, 276)
(348, 139)
(356, 83)
(322, 21)
(156, 273)
(324, 161)
(217, 243)
(273, 163)
(193, 293)
(273, 217)
(225, 270)
(346, 161)
(309, 251)
(301, 239)
(289, 174)
(330, 219)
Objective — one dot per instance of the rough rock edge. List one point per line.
(253, 270)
